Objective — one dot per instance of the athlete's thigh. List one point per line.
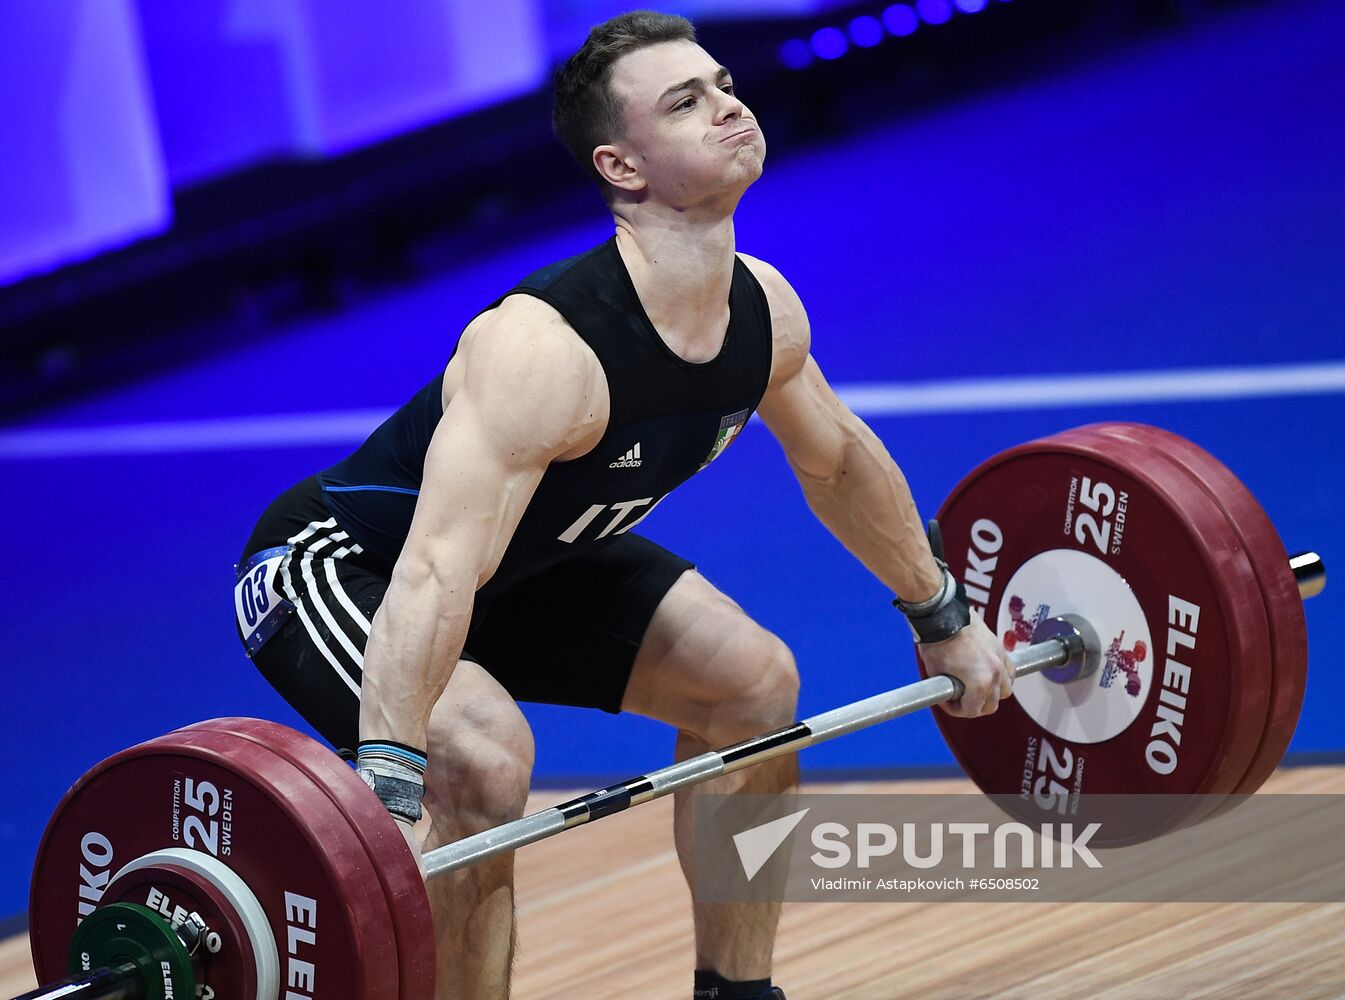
(569, 635)
(704, 660)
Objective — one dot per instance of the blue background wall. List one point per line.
(108, 106)
(1177, 206)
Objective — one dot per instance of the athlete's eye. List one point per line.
(728, 88)
(685, 104)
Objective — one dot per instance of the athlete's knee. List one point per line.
(762, 690)
(775, 693)
(479, 771)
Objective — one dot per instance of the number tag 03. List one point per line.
(259, 608)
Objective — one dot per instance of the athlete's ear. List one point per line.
(617, 169)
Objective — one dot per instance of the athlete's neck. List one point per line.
(682, 270)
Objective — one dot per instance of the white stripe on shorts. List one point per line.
(287, 582)
(344, 599)
(313, 528)
(324, 612)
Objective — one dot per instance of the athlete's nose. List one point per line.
(729, 107)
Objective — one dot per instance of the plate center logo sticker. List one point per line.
(1124, 660)
(1095, 708)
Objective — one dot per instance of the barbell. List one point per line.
(1152, 615)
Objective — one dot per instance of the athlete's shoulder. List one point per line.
(764, 272)
(527, 367)
(789, 319)
(784, 300)
(526, 331)
(529, 328)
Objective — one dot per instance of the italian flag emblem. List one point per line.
(729, 427)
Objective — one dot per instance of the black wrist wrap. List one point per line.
(948, 611)
(396, 773)
(400, 796)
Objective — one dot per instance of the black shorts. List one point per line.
(565, 636)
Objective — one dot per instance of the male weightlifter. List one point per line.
(477, 549)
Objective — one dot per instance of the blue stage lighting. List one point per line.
(866, 32)
(934, 11)
(900, 20)
(796, 54)
(970, 6)
(829, 43)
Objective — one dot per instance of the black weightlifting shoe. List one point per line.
(712, 986)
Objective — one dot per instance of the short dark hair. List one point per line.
(586, 112)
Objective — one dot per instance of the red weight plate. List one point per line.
(1181, 479)
(1056, 526)
(1270, 561)
(397, 868)
(257, 813)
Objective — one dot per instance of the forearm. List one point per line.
(414, 644)
(866, 504)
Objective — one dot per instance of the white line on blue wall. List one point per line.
(1044, 392)
(868, 399)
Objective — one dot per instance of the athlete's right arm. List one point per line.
(532, 392)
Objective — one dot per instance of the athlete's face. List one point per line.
(687, 137)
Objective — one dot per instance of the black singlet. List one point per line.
(669, 418)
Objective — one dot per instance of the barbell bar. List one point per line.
(1070, 644)
(119, 982)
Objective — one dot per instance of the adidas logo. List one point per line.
(630, 460)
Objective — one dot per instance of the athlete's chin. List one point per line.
(750, 169)
(756, 156)
(750, 156)
(739, 180)
(743, 168)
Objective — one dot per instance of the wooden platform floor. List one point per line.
(624, 927)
